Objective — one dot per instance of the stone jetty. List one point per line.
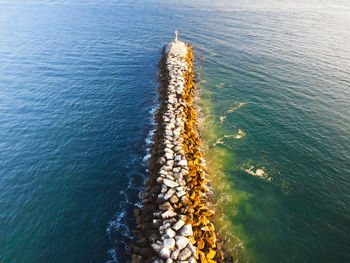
(174, 223)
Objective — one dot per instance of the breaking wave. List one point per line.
(232, 109)
(119, 229)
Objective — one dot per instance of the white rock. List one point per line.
(169, 194)
(168, 214)
(193, 249)
(169, 156)
(174, 254)
(170, 126)
(177, 176)
(178, 158)
(192, 260)
(182, 162)
(168, 133)
(162, 172)
(178, 225)
(169, 183)
(169, 242)
(186, 230)
(177, 148)
(171, 178)
(167, 168)
(164, 227)
(168, 144)
(167, 150)
(181, 242)
(170, 163)
(180, 181)
(184, 254)
(177, 131)
(165, 252)
(170, 233)
(176, 169)
(180, 193)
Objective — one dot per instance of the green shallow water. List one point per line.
(282, 108)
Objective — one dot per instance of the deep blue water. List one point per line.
(78, 82)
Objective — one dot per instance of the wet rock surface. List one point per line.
(174, 223)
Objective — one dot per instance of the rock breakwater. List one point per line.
(174, 223)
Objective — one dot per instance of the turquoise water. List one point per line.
(77, 94)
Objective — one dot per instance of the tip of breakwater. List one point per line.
(175, 221)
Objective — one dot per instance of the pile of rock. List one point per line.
(174, 223)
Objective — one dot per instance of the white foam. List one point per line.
(232, 109)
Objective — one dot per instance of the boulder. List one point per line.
(174, 199)
(180, 193)
(164, 227)
(170, 163)
(184, 254)
(169, 242)
(193, 250)
(181, 242)
(182, 163)
(170, 233)
(165, 206)
(170, 183)
(175, 254)
(186, 230)
(169, 214)
(165, 252)
(169, 194)
(167, 167)
(178, 157)
(176, 169)
(178, 225)
(168, 150)
(169, 156)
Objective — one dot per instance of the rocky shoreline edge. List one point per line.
(174, 223)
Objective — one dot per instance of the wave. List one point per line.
(232, 109)
(240, 134)
(118, 229)
(262, 170)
